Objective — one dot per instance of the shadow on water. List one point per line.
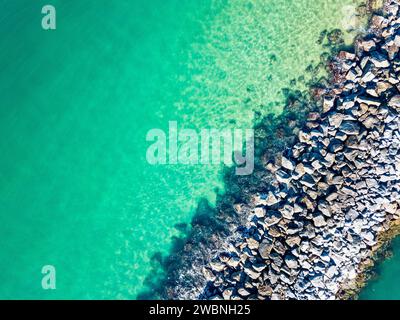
(172, 274)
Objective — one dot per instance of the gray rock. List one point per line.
(293, 241)
(252, 243)
(227, 293)
(366, 45)
(265, 290)
(395, 102)
(217, 266)
(243, 292)
(317, 281)
(251, 273)
(233, 262)
(272, 217)
(287, 211)
(368, 100)
(282, 176)
(319, 221)
(379, 60)
(208, 274)
(271, 199)
(291, 262)
(336, 119)
(350, 127)
(328, 103)
(299, 171)
(325, 209)
(279, 247)
(308, 180)
(265, 248)
(335, 145)
(259, 267)
(259, 212)
(287, 163)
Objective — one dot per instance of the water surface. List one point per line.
(76, 190)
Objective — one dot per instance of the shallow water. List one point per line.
(385, 285)
(76, 104)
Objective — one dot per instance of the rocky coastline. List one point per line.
(333, 196)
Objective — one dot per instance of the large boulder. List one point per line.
(265, 248)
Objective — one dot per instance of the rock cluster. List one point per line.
(310, 234)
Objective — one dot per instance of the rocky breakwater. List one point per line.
(311, 234)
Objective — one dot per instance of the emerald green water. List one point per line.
(386, 284)
(76, 103)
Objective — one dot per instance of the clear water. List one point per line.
(76, 191)
(386, 283)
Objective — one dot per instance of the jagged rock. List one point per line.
(293, 241)
(328, 103)
(287, 211)
(368, 100)
(390, 207)
(370, 122)
(336, 119)
(325, 208)
(208, 274)
(259, 212)
(307, 180)
(274, 232)
(346, 55)
(265, 290)
(252, 243)
(379, 60)
(368, 75)
(317, 281)
(350, 127)
(291, 262)
(383, 86)
(395, 102)
(335, 146)
(310, 205)
(217, 266)
(279, 247)
(378, 22)
(293, 227)
(233, 262)
(352, 75)
(287, 163)
(227, 293)
(271, 199)
(251, 273)
(237, 276)
(243, 292)
(319, 221)
(369, 236)
(366, 45)
(331, 197)
(392, 9)
(299, 171)
(282, 176)
(259, 267)
(265, 248)
(272, 217)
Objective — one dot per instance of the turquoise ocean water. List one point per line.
(76, 103)
(385, 284)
